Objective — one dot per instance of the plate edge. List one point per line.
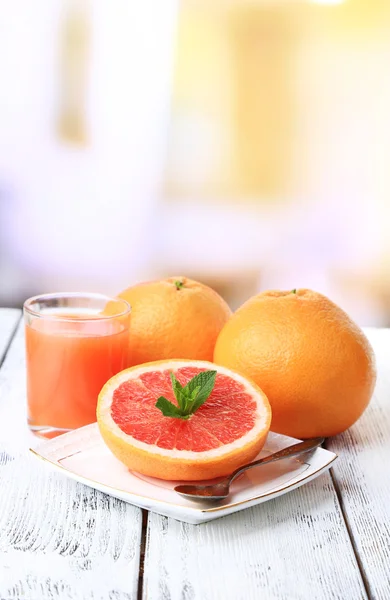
(275, 492)
(89, 482)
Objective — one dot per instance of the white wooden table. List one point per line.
(60, 540)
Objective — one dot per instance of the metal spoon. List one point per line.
(220, 490)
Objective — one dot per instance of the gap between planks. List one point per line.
(145, 522)
(349, 530)
(10, 340)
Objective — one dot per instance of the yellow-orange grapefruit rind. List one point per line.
(315, 365)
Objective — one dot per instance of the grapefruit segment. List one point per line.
(158, 383)
(228, 430)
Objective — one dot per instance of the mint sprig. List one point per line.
(189, 397)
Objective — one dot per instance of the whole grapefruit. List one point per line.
(313, 362)
(174, 318)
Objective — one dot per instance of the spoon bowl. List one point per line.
(216, 491)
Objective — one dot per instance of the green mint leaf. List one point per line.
(203, 383)
(194, 392)
(178, 390)
(190, 397)
(200, 380)
(175, 382)
(168, 409)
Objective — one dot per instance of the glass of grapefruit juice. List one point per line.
(74, 343)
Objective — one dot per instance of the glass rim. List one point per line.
(93, 295)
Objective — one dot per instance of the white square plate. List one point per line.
(83, 456)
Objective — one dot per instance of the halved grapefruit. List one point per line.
(226, 431)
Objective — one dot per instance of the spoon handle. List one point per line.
(288, 452)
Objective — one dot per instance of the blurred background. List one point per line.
(245, 143)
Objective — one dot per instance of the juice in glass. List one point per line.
(74, 344)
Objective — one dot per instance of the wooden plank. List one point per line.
(14, 435)
(8, 320)
(362, 476)
(58, 539)
(294, 547)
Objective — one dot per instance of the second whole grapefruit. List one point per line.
(175, 317)
(313, 362)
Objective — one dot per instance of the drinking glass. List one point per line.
(74, 343)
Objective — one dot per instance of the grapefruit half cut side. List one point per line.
(227, 431)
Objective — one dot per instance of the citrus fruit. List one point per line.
(315, 365)
(227, 430)
(174, 318)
